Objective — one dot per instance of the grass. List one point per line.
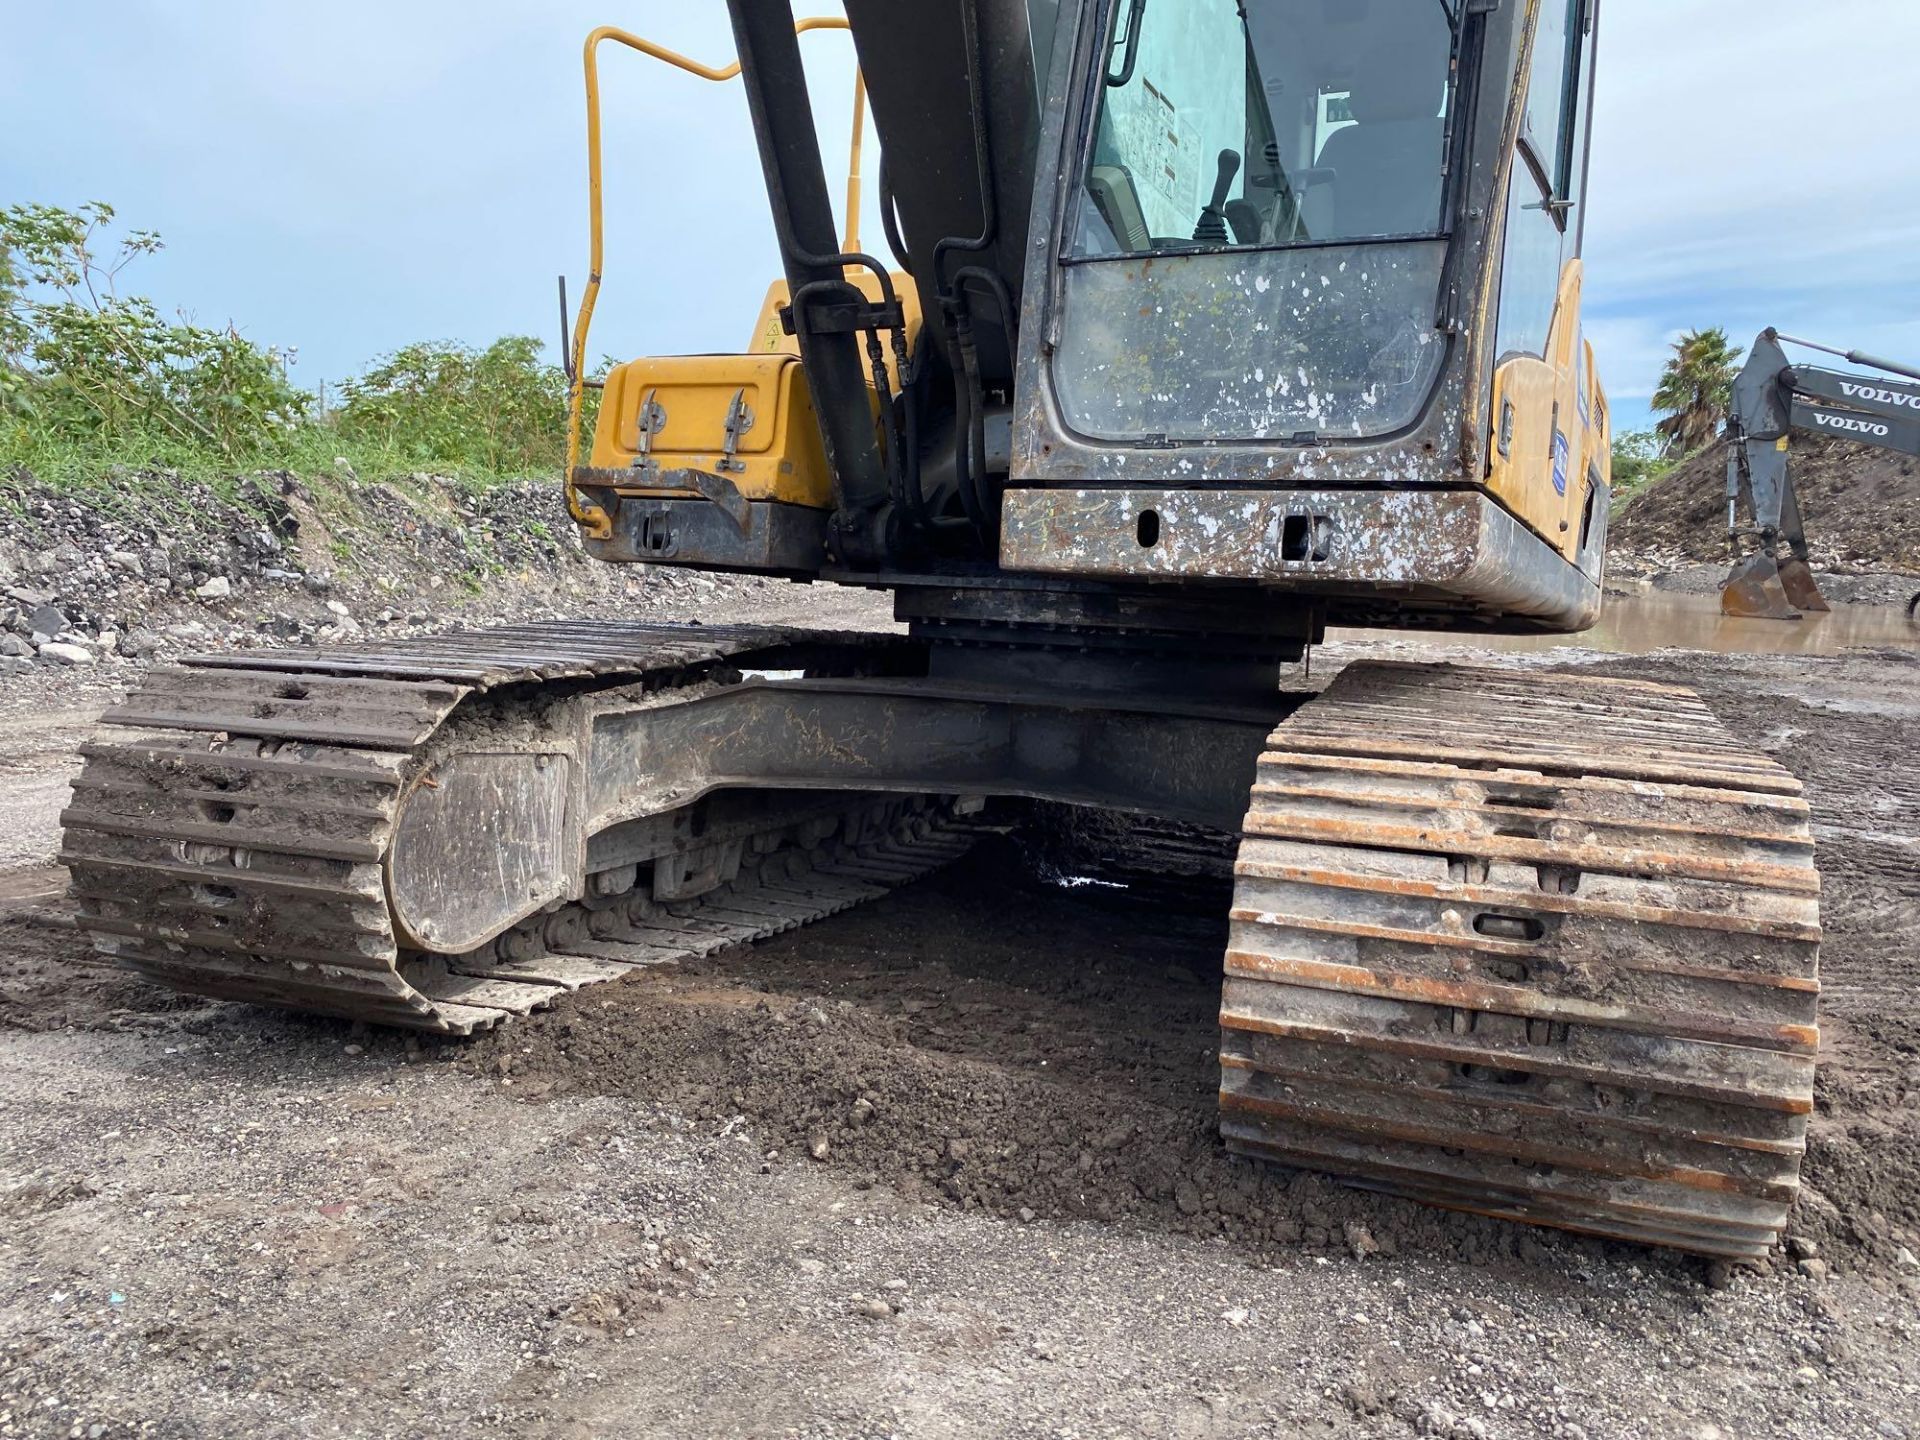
(150, 481)
(1625, 492)
(102, 395)
(1640, 461)
(159, 487)
(99, 463)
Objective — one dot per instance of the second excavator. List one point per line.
(1207, 324)
(1772, 399)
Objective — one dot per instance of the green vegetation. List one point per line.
(444, 407)
(1639, 459)
(1695, 390)
(96, 386)
(95, 383)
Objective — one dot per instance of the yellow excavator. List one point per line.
(1206, 324)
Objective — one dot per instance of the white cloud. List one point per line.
(1749, 168)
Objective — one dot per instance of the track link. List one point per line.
(1536, 946)
(237, 848)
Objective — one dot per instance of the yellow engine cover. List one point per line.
(778, 456)
(776, 453)
(771, 338)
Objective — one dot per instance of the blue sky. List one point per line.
(349, 177)
(1752, 166)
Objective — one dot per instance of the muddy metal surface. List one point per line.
(942, 1166)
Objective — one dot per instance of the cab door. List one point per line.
(1541, 445)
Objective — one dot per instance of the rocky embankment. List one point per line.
(1861, 507)
(156, 566)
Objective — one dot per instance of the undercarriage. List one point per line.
(1543, 950)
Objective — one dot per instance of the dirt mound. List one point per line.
(157, 565)
(936, 1046)
(1862, 508)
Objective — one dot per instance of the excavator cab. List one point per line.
(1306, 313)
(1280, 295)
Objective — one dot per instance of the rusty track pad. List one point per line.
(1542, 947)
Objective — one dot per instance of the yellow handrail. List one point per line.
(851, 241)
(591, 517)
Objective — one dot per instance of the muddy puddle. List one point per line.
(1640, 624)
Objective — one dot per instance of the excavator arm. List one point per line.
(1772, 397)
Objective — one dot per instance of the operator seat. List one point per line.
(1386, 166)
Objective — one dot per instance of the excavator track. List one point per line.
(240, 846)
(1542, 947)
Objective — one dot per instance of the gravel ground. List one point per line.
(611, 1219)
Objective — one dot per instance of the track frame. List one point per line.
(368, 831)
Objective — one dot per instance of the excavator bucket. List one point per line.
(1754, 590)
(1797, 581)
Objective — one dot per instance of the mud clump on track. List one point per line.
(934, 1043)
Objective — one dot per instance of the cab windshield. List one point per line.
(1256, 247)
(1268, 123)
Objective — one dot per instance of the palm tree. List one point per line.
(1695, 389)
